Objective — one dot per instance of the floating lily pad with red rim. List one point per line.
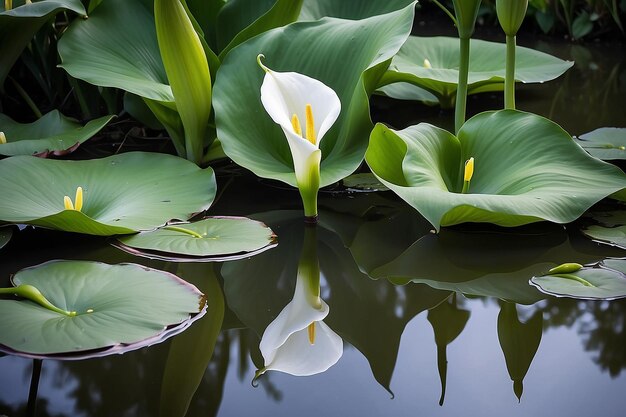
(603, 281)
(122, 194)
(117, 308)
(210, 239)
(53, 134)
(606, 143)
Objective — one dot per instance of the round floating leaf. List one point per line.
(605, 143)
(487, 68)
(527, 169)
(348, 56)
(5, 235)
(214, 238)
(52, 134)
(122, 194)
(119, 308)
(612, 235)
(590, 283)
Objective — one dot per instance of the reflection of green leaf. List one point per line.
(492, 264)
(487, 68)
(191, 352)
(527, 169)
(359, 307)
(5, 236)
(590, 283)
(606, 143)
(349, 56)
(612, 235)
(52, 134)
(122, 194)
(210, 237)
(119, 307)
(19, 25)
(448, 322)
(519, 342)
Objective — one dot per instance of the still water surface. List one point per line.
(400, 342)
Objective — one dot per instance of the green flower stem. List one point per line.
(309, 185)
(29, 101)
(446, 11)
(509, 79)
(31, 293)
(461, 92)
(574, 278)
(309, 266)
(466, 185)
(183, 230)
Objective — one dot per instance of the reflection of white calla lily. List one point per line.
(298, 342)
(290, 99)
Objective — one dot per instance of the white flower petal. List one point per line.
(284, 94)
(298, 357)
(296, 316)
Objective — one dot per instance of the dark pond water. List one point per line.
(400, 342)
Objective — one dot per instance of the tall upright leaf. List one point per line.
(187, 71)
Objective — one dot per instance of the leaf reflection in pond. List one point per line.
(370, 315)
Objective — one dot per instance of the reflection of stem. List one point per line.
(183, 230)
(509, 79)
(31, 408)
(461, 92)
(309, 266)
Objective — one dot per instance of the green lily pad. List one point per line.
(210, 239)
(52, 134)
(123, 193)
(19, 25)
(119, 308)
(5, 236)
(349, 56)
(487, 68)
(606, 143)
(527, 169)
(612, 235)
(589, 283)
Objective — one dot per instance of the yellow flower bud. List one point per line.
(469, 169)
(3, 138)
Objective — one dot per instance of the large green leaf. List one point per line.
(348, 56)
(52, 134)
(352, 9)
(487, 68)
(117, 47)
(605, 143)
(19, 25)
(210, 239)
(239, 20)
(598, 282)
(119, 308)
(122, 194)
(527, 169)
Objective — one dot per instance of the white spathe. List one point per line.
(284, 94)
(285, 344)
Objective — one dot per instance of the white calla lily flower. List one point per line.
(305, 109)
(298, 342)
